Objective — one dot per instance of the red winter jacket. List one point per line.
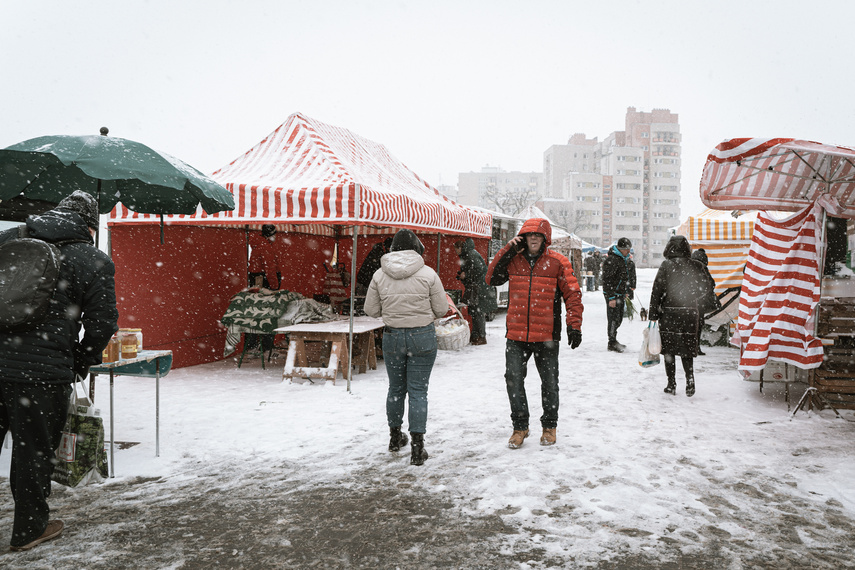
(535, 293)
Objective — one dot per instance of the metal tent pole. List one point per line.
(353, 285)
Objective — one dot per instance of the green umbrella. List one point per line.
(111, 169)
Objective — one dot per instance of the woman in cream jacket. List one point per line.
(408, 296)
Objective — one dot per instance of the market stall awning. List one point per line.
(778, 174)
(725, 238)
(309, 172)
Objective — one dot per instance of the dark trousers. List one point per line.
(614, 316)
(35, 414)
(517, 355)
(479, 325)
(671, 366)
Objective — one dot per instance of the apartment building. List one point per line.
(495, 189)
(627, 185)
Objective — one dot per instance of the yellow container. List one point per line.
(131, 342)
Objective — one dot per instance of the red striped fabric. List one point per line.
(308, 172)
(778, 174)
(780, 290)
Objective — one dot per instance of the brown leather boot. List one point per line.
(517, 438)
(548, 437)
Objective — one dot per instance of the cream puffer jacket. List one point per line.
(404, 292)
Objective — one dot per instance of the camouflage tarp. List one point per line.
(259, 311)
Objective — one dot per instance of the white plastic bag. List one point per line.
(654, 344)
(645, 358)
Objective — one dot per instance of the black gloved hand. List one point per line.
(629, 294)
(81, 367)
(574, 337)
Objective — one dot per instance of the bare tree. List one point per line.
(509, 201)
(573, 220)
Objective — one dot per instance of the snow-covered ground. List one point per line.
(257, 473)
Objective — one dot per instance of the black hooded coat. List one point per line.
(476, 291)
(681, 290)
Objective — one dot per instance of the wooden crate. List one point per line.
(836, 317)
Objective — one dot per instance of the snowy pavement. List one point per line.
(257, 473)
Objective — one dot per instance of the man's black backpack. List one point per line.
(29, 271)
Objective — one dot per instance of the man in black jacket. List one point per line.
(39, 365)
(618, 284)
(371, 264)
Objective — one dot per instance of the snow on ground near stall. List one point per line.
(634, 471)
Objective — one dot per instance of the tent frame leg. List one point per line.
(814, 399)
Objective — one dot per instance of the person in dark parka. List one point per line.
(371, 264)
(700, 254)
(618, 285)
(476, 293)
(680, 288)
(39, 365)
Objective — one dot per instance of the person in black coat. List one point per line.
(681, 290)
(618, 284)
(476, 294)
(39, 365)
(700, 254)
(371, 264)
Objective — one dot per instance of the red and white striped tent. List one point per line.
(310, 173)
(781, 285)
(780, 290)
(316, 183)
(778, 174)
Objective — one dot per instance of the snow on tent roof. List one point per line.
(309, 172)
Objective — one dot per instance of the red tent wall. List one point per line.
(177, 292)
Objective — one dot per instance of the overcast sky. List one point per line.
(448, 87)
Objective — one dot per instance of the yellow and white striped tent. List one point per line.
(726, 237)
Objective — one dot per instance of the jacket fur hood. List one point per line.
(401, 264)
(537, 226)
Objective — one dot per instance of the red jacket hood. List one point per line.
(537, 226)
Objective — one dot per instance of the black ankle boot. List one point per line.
(690, 387)
(397, 439)
(418, 455)
(671, 388)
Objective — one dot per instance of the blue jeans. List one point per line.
(517, 355)
(409, 355)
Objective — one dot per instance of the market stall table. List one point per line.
(147, 364)
(336, 333)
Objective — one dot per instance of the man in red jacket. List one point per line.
(538, 279)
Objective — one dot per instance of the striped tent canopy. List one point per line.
(725, 237)
(781, 289)
(308, 172)
(778, 174)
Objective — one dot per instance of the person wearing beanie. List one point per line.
(39, 364)
(264, 272)
(83, 204)
(408, 295)
(618, 284)
(538, 279)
